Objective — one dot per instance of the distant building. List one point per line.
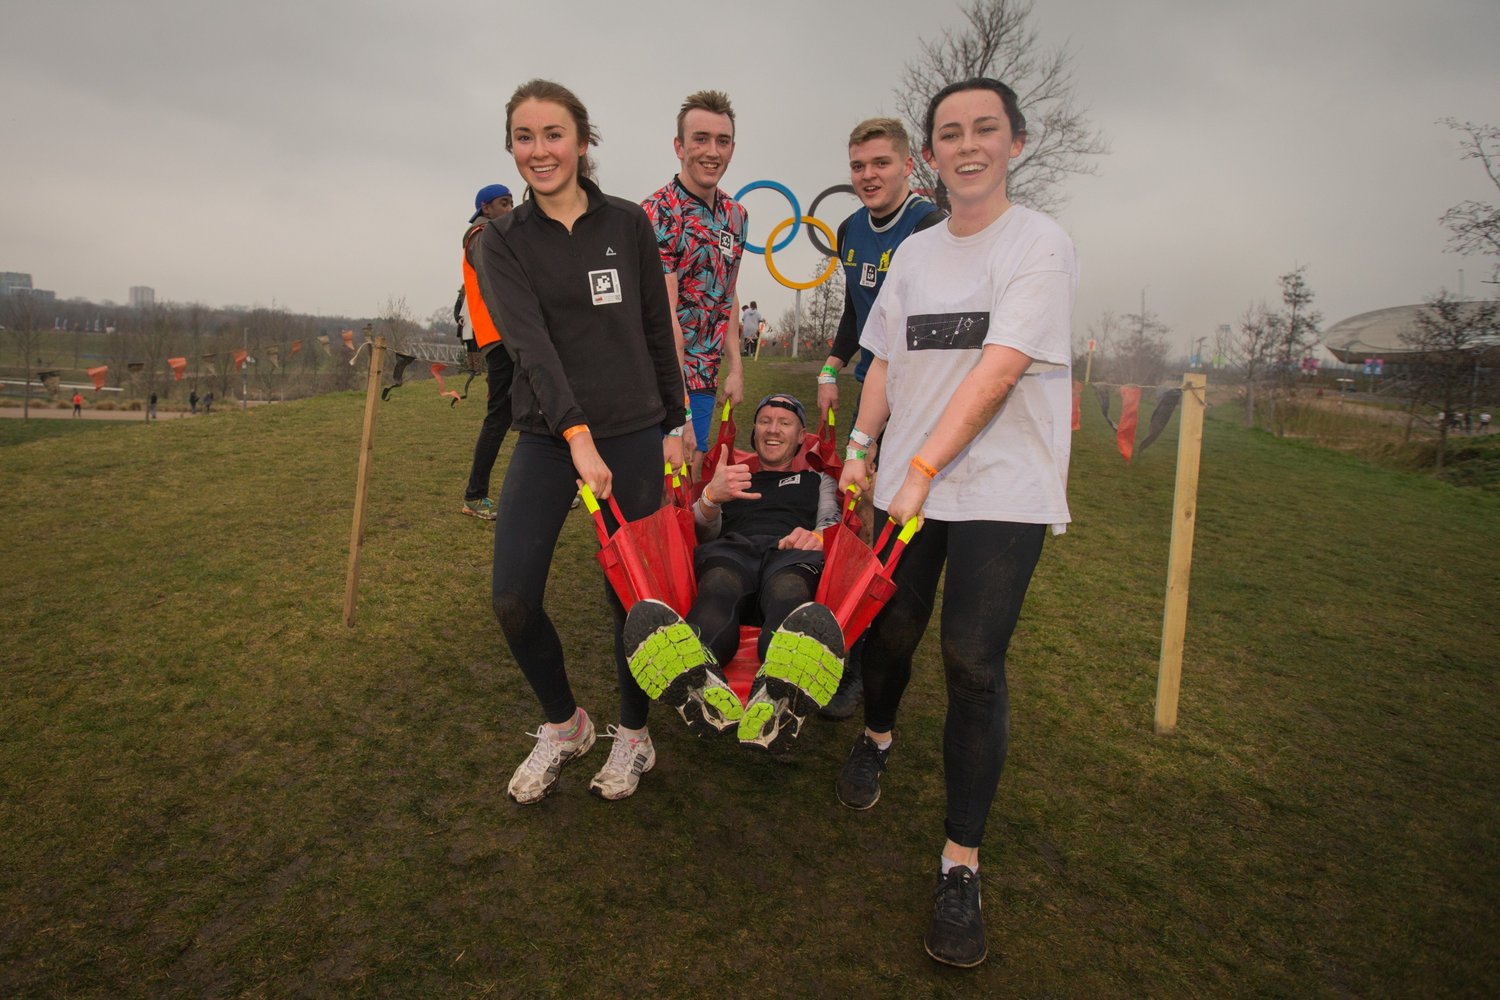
(142, 296)
(1377, 334)
(14, 281)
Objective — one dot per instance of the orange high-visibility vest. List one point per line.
(485, 332)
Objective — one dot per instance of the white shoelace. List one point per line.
(546, 754)
(621, 754)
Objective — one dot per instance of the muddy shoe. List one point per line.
(956, 936)
(804, 662)
(672, 666)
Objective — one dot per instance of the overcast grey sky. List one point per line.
(324, 155)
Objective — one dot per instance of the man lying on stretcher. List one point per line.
(759, 546)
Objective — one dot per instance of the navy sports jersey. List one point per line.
(865, 252)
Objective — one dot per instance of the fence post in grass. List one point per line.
(361, 488)
(1180, 554)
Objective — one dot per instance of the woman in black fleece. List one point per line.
(573, 278)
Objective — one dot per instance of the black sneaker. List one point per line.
(858, 786)
(956, 936)
(851, 693)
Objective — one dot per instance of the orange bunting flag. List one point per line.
(1077, 398)
(349, 339)
(239, 359)
(443, 390)
(1130, 412)
(99, 375)
(296, 346)
(178, 366)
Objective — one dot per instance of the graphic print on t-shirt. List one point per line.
(947, 331)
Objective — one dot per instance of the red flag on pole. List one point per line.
(1130, 411)
(99, 375)
(1077, 398)
(178, 366)
(239, 359)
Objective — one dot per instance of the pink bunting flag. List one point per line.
(1130, 403)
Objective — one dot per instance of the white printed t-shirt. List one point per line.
(945, 297)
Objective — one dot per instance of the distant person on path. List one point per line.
(971, 384)
(208, 403)
(78, 404)
(193, 402)
(700, 235)
(573, 278)
(151, 407)
(1484, 422)
(483, 338)
(760, 546)
(750, 328)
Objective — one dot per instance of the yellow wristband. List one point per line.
(572, 432)
(925, 468)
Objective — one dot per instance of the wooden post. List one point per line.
(1180, 553)
(361, 487)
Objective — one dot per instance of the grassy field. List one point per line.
(209, 786)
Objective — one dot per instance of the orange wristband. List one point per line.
(923, 467)
(574, 431)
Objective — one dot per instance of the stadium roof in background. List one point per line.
(1377, 334)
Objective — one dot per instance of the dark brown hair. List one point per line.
(546, 90)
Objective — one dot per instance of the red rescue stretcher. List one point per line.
(653, 556)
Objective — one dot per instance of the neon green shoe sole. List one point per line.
(804, 662)
(672, 666)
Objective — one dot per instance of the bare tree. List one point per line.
(825, 305)
(157, 337)
(1259, 333)
(997, 40)
(1297, 335)
(1103, 332)
(1474, 226)
(1140, 356)
(396, 324)
(1450, 334)
(21, 311)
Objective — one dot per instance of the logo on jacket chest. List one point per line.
(604, 286)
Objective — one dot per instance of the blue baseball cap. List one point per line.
(487, 194)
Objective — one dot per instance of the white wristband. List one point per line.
(860, 438)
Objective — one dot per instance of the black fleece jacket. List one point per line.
(585, 316)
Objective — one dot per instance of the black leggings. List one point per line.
(722, 604)
(534, 501)
(989, 568)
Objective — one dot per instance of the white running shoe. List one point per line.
(629, 758)
(538, 773)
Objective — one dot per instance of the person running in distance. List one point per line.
(971, 384)
(573, 276)
(760, 546)
(880, 167)
(700, 234)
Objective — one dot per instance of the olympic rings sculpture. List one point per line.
(795, 222)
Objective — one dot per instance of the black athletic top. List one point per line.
(585, 316)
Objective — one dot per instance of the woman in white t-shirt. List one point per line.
(971, 386)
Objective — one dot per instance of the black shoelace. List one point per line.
(954, 894)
